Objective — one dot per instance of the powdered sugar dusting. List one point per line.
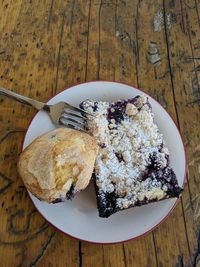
(126, 148)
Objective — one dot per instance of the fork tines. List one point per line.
(79, 110)
(72, 119)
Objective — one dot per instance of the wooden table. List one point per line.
(51, 44)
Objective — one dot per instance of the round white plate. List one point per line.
(79, 217)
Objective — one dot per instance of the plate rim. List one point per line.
(184, 177)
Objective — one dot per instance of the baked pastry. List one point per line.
(58, 164)
(132, 166)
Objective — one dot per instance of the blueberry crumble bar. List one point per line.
(132, 166)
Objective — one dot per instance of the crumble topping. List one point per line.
(131, 109)
(128, 140)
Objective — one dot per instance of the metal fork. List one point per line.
(60, 113)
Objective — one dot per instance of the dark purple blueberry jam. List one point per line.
(117, 110)
(117, 115)
(57, 200)
(81, 105)
(102, 145)
(70, 193)
(94, 106)
(154, 159)
(106, 203)
(167, 177)
(119, 156)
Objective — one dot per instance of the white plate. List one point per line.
(79, 217)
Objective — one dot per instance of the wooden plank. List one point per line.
(62, 252)
(102, 255)
(114, 255)
(29, 62)
(187, 94)
(140, 252)
(22, 228)
(92, 255)
(154, 77)
(73, 47)
(112, 54)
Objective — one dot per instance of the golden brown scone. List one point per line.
(57, 162)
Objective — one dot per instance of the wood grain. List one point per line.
(47, 45)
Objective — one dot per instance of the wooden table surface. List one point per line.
(51, 44)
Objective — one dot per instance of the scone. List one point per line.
(133, 164)
(58, 164)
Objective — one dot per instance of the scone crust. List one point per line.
(56, 161)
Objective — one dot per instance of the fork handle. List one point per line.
(23, 99)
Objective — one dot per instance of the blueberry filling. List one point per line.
(106, 203)
(102, 145)
(119, 156)
(155, 163)
(95, 107)
(116, 113)
(167, 178)
(70, 193)
(57, 200)
(117, 110)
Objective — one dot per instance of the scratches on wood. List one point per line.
(180, 262)
(196, 156)
(59, 49)
(161, 98)
(190, 6)
(114, 255)
(72, 15)
(6, 134)
(137, 58)
(183, 27)
(5, 182)
(196, 254)
(186, 229)
(21, 255)
(116, 19)
(153, 55)
(124, 256)
(87, 49)
(99, 43)
(197, 68)
(169, 61)
(162, 19)
(19, 229)
(50, 14)
(42, 250)
(155, 248)
(92, 255)
(195, 76)
(32, 236)
(80, 255)
(197, 12)
(195, 257)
